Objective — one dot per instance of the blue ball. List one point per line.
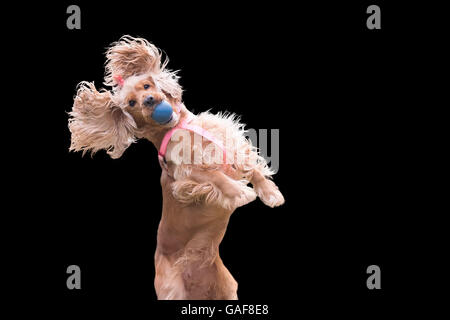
(162, 112)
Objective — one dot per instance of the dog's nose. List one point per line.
(149, 101)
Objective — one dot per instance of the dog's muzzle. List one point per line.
(149, 101)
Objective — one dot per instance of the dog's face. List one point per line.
(140, 95)
(113, 119)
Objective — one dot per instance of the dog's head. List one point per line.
(142, 96)
(141, 84)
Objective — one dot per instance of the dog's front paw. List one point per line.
(237, 196)
(269, 194)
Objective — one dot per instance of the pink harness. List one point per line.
(181, 125)
(185, 124)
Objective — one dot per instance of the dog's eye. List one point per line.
(146, 86)
(132, 103)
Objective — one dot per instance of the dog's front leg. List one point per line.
(212, 187)
(266, 189)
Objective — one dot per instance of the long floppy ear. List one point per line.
(97, 123)
(134, 56)
(131, 56)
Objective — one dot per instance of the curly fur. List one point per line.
(136, 56)
(198, 198)
(240, 150)
(97, 123)
(190, 192)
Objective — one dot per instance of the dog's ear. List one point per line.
(131, 56)
(96, 122)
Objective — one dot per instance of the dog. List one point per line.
(207, 163)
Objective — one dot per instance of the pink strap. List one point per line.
(119, 80)
(196, 129)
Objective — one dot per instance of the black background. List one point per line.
(346, 101)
